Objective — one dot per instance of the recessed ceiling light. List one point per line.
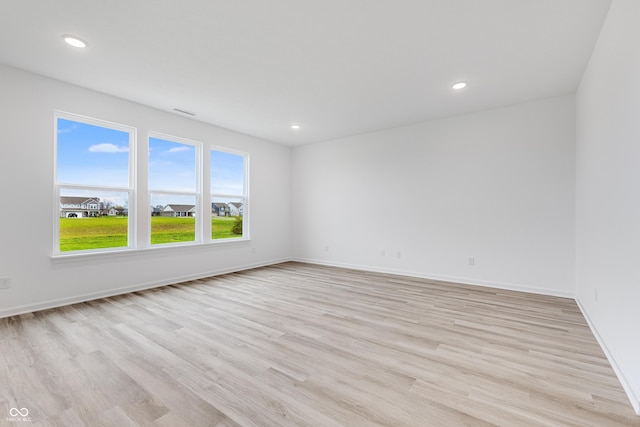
(459, 85)
(295, 126)
(74, 41)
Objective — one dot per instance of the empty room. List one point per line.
(320, 213)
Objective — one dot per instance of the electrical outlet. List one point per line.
(472, 261)
(398, 254)
(5, 282)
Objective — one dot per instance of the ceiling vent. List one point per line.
(184, 112)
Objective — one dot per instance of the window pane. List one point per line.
(93, 219)
(172, 166)
(227, 218)
(227, 173)
(92, 155)
(172, 218)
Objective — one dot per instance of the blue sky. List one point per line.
(93, 155)
(227, 173)
(172, 166)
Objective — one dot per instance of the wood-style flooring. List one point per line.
(298, 344)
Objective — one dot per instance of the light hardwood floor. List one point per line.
(297, 344)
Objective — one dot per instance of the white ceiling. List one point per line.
(337, 67)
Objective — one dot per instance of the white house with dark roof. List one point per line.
(79, 207)
(179, 210)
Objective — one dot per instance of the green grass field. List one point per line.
(111, 232)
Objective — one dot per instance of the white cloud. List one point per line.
(108, 148)
(178, 149)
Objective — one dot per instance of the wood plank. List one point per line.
(299, 344)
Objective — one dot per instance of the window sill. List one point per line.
(128, 252)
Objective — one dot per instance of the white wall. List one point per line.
(608, 192)
(27, 106)
(496, 185)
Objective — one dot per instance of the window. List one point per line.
(93, 174)
(228, 194)
(174, 189)
(192, 198)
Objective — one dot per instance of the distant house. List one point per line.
(235, 208)
(117, 211)
(156, 210)
(220, 209)
(79, 207)
(179, 210)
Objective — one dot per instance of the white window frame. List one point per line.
(130, 189)
(139, 193)
(244, 197)
(198, 147)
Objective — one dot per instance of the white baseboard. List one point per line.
(454, 279)
(633, 396)
(29, 308)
